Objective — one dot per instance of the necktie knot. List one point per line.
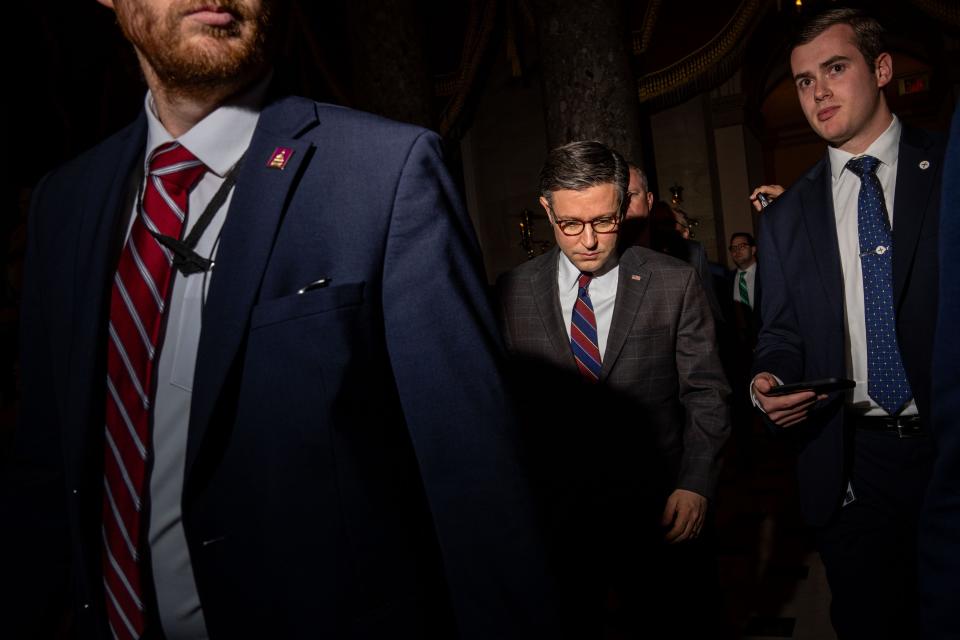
(863, 165)
(584, 281)
(176, 167)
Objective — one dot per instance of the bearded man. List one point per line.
(261, 388)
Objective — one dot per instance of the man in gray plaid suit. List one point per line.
(635, 331)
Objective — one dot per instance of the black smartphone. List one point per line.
(764, 200)
(825, 385)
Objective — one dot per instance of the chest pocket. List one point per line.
(297, 305)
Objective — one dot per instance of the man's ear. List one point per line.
(649, 200)
(545, 205)
(883, 69)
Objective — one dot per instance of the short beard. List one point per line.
(197, 71)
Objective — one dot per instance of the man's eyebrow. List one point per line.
(833, 60)
(823, 65)
(612, 214)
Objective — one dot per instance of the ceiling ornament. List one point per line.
(706, 67)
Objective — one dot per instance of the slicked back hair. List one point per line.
(868, 34)
(583, 164)
(644, 182)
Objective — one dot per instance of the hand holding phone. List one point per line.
(825, 385)
(764, 195)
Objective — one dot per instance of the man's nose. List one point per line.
(822, 91)
(588, 237)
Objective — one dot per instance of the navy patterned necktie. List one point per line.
(583, 333)
(888, 384)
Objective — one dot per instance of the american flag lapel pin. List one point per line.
(279, 157)
(636, 277)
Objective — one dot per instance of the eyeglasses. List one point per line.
(738, 246)
(575, 227)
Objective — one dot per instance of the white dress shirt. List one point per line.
(219, 141)
(751, 278)
(846, 188)
(602, 291)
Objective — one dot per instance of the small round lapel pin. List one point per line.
(924, 164)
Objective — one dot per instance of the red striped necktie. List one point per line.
(141, 288)
(583, 333)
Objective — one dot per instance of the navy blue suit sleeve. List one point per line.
(446, 356)
(33, 533)
(779, 344)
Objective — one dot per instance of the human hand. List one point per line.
(772, 191)
(786, 410)
(686, 510)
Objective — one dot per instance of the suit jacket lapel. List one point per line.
(98, 240)
(256, 211)
(914, 187)
(821, 225)
(632, 284)
(547, 299)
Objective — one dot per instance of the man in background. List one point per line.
(642, 228)
(743, 251)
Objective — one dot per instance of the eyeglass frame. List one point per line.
(616, 220)
(739, 246)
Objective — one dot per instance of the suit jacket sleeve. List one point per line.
(446, 357)
(33, 536)
(940, 523)
(703, 392)
(779, 344)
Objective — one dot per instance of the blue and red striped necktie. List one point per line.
(583, 333)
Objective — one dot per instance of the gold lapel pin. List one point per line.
(279, 157)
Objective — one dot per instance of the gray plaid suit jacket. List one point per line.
(661, 354)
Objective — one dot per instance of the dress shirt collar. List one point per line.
(568, 274)
(885, 148)
(218, 140)
(749, 269)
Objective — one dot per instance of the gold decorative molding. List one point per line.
(707, 64)
(456, 86)
(641, 39)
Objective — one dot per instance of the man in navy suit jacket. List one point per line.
(863, 468)
(940, 523)
(341, 457)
